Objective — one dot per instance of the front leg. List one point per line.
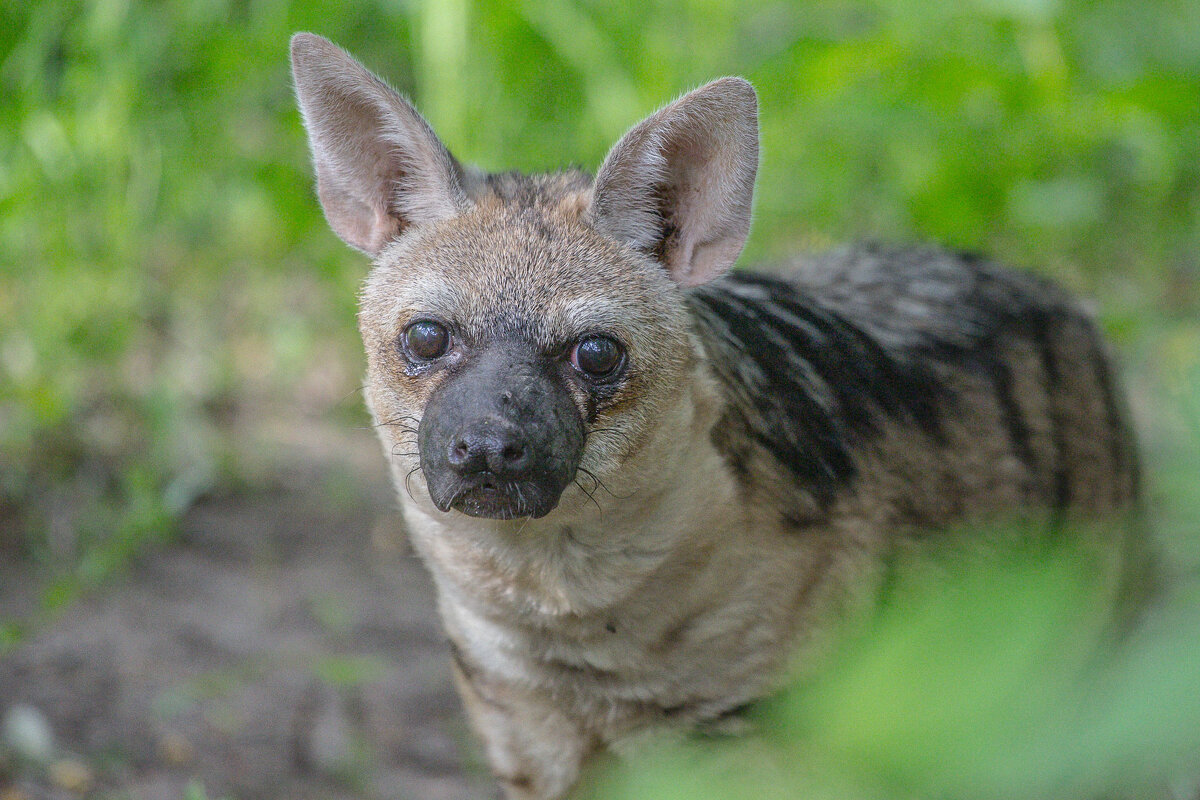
(534, 749)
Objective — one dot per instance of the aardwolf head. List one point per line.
(508, 318)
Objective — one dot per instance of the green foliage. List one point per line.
(349, 671)
(166, 279)
(1004, 663)
(195, 791)
(164, 267)
(977, 678)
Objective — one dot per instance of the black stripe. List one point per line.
(1014, 420)
(1121, 448)
(982, 357)
(805, 353)
(1043, 338)
(859, 363)
(785, 418)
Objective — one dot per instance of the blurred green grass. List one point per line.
(165, 273)
(167, 282)
(1000, 679)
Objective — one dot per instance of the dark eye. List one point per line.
(426, 340)
(597, 356)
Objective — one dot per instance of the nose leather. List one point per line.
(489, 445)
(501, 436)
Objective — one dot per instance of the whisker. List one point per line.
(397, 422)
(621, 436)
(590, 495)
(601, 485)
(396, 447)
(346, 396)
(408, 488)
(398, 426)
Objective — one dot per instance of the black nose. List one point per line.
(497, 448)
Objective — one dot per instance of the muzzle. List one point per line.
(501, 437)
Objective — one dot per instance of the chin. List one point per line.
(504, 502)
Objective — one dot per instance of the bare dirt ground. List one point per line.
(285, 646)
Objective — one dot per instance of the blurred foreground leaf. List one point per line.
(986, 672)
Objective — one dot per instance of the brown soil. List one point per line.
(286, 646)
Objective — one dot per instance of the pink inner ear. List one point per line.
(362, 224)
(711, 229)
(379, 165)
(386, 228)
(693, 162)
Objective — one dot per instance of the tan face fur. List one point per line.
(531, 269)
(522, 275)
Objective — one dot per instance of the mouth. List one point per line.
(493, 498)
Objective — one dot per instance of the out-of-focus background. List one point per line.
(204, 589)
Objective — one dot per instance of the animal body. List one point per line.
(638, 479)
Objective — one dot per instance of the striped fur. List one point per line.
(819, 365)
(767, 441)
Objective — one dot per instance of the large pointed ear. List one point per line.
(679, 185)
(380, 167)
